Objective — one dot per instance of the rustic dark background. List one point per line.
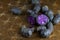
(10, 24)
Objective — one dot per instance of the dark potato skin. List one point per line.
(45, 32)
(56, 19)
(37, 8)
(50, 14)
(35, 1)
(27, 32)
(16, 10)
(45, 8)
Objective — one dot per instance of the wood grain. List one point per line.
(10, 24)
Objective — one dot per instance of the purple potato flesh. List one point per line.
(42, 19)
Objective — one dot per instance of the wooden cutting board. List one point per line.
(10, 24)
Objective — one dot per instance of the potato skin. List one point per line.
(56, 19)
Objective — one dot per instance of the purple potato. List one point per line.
(42, 19)
(37, 8)
(50, 15)
(31, 20)
(45, 8)
(40, 28)
(32, 13)
(48, 31)
(45, 31)
(27, 32)
(35, 1)
(16, 10)
(56, 19)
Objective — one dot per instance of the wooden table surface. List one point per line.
(10, 24)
